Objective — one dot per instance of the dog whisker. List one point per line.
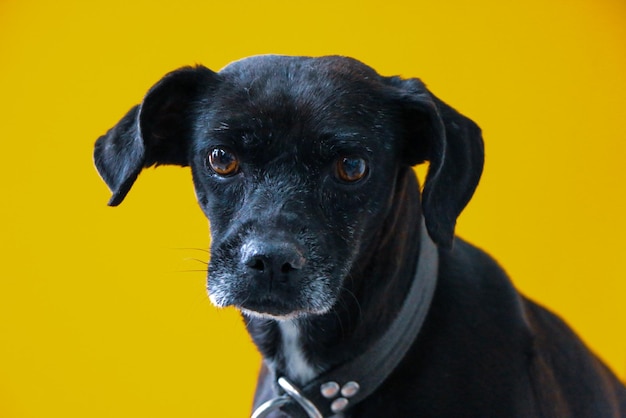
(206, 263)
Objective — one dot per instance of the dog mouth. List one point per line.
(274, 305)
(279, 300)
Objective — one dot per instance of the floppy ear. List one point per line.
(452, 144)
(158, 131)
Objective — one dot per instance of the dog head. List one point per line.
(295, 161)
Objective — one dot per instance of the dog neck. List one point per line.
(295, 361)
(302, 348)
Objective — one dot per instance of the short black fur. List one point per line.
(320, 267)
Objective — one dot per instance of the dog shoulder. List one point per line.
(577, 377)
(493, 321)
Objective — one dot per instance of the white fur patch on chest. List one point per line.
(298, 368)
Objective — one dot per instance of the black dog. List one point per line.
(350, 281)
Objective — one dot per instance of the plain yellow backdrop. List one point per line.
(103, 311)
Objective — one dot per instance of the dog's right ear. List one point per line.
(453, 145)
(158, 131)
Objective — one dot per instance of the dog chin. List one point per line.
(275, 317)
(268, 312)
(279, 310)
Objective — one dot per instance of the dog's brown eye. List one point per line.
(223, 161)
(351, 169)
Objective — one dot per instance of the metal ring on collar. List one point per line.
(297, 396)
(292, 393)
(270, 406)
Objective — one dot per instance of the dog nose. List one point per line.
(273, 260)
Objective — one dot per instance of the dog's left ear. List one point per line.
(452, 144)
(158, 131)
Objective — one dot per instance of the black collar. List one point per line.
(337, 390)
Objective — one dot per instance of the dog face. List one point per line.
(295, 162)
(291, 170)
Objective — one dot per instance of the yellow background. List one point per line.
(103, 311)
